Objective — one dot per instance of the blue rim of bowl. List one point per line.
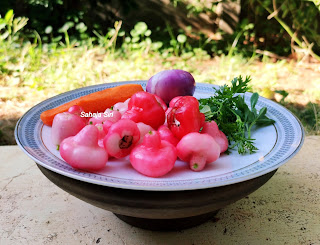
(28, 140)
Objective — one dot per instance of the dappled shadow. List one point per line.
(308, 114)
(7, 126)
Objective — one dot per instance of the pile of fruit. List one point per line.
(152, 127)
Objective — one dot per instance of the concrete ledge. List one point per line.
(286, 210)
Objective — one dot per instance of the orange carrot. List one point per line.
(94, 102)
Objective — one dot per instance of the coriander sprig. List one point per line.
(233, 116)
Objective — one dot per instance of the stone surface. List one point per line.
(285, 210)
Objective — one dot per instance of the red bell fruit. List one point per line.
(161, 102)
(174, 100)
(185, 117)
(144, 129)
(144, 107)
(108, 115)
(65, 125)
(82, 151)
(106, 126)
(121, 107)
(212, 129)
(121, 138)
(198, 150)
(154, 157)
(166, 134)
(78, 110)
(101, 134)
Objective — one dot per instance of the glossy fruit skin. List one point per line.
(202, 119)
(154, 157)
(121, 107)
(82, 150)
(173, 101)
(212, 129)
(171, 104)
(166, 114)
(143, 107)
(106, 126)
(64, 125)
(121, 138)
(101, 134)
(185, 117)
(108, 115)
(166, 134)
(171, 83)
(198, 150)
(144, 129)
(75, 109)
(78, 110)
(161, 102)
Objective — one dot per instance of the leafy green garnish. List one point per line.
(233, 116)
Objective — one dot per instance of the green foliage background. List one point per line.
(282, 23)
(264, 24)
(49, 47)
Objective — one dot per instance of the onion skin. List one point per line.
(171, 83)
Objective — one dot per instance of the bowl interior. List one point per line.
(277, 144)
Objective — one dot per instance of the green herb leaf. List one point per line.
(253, 100)
(233, 116)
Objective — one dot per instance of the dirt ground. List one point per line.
(22, 99)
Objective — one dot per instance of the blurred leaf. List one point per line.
(134, 33)
(48, 29)
(56, 39)
(189, 28)
(156, 45)
(182, 38)
(9, 15)
(135, 39)
(283, 93)
(4, 35)
(2, 25)
(111, 32)
(173, 42)
(187, 55)
(147, 33)
(121, 33)
(81, 27)
(19, 23)
(141, 28)
(148, 40)
(66, 27)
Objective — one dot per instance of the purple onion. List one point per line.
(171, 83)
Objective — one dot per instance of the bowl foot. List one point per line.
(167, 224)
